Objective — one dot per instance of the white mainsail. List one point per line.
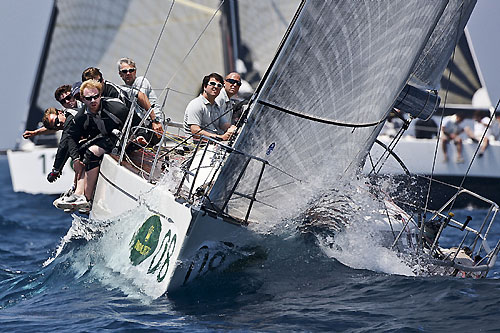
(336, 76)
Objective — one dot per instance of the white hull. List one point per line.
(29, 169)
(418, 154)
(174, 244)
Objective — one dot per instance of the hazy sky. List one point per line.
(23, 24)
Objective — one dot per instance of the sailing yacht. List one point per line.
(309, 125)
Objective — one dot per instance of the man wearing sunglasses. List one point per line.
(64, 96)
(203, 115)
(54, 119)
(133, 84)
(232, 84)
(97, 123)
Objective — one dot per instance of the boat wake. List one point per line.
(352, 226)
(81, 229)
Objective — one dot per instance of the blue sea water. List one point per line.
(294, 287)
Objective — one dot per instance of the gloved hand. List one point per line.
(53, 175)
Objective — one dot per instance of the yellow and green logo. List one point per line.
(145, 240)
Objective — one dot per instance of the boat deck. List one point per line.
(141, 162)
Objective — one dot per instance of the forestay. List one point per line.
(339, 70)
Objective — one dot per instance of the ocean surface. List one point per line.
(295, 286)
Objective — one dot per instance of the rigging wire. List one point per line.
(192, 48)
(442, 113)
(128, 122)
(492, 116)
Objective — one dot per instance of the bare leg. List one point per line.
(444, 144)
(91, 175)
(484, 146)
(458, 143)
(90, 182)
(80, 185)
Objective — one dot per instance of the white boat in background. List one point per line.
(29, 169)
(32, 159)
(310, 125)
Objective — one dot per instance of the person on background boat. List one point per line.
(133, 83)
(98, 123)
(451, 129)
(64, 96)
(225, 101)
(203, 116)
(54, 119)
(480, 127)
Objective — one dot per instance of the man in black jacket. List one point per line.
(94, 132)
(54, 119)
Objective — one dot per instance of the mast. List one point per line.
(230, 35)
(35, 112)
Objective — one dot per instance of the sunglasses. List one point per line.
(233, 81)
(56, 122)
(56, 125)
(92, 98)
(125, 71)
(68, 98)
(215, 84)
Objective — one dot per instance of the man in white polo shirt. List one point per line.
(203, 116)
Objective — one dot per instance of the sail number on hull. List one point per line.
(44, 159)
(145, 243)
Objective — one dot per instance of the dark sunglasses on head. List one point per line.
(92, 98)
(125, 71)
(215, 84)
(66, 99)
(233, 81)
